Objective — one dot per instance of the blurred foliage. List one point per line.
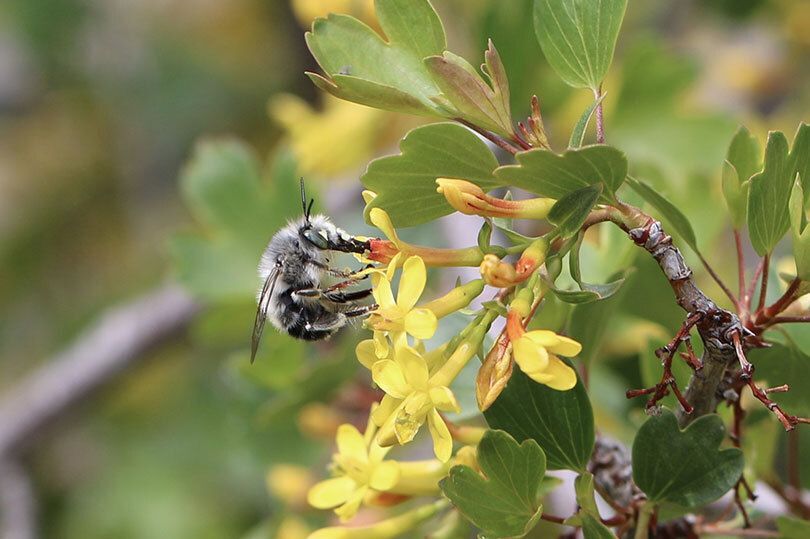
(101, 103)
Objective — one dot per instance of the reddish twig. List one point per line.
(500, 142)
(666, 354)
(719, 281)
(764, 315)
(763, 289)
(740, 267)
(749, 292)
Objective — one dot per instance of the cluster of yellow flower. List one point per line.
(416, 381)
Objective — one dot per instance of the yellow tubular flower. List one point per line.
(535, 353)
(359, 467)
(384, 250)
(470, 199)
(385, 529)
(399, 316)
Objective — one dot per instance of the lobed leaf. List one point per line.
(469, 94)
(800, 231)
(549, 174)
(506, 502)
(769, 195)
(578, 37)
(685, 467)
(793, 528)
(406, 184)
(561, 422)
(569, 213)
(361, 67)
(785, 364)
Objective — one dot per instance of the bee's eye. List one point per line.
(315, 239)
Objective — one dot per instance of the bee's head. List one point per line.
(311, 232)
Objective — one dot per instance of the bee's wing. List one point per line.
(261, 311)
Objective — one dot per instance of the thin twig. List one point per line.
(718, 280)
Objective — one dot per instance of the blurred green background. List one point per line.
(106, 193)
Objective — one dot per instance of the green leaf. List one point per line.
(578, 134)
(504, 503)
(800, 157)
(549, 174)
(221, 187)
(578, 37)
(675, 218)
(769, 195)
(570, 212)
(592, 528)
(793, 528)
(800, 232)
(406, 184)
(363, 68)
(736, 195)
(560, 421)
(588, 292)
(744, 154)
(469, 94)
(785, 364)
(685, 467)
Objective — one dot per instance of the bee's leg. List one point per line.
(329, 324)
(360, 311)
(346, 297)
(308, 292)
(346, 274)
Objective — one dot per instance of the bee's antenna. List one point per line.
(304, 200)
(309, 208)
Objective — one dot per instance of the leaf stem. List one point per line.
(763, 289)
(645, 514)
(500, 142)
(740, 267)
(600, 122)
(718, 280)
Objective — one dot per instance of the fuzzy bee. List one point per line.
(292, 268)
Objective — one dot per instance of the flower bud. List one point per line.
(496, 272)
(532, 258)
(470, 199)
(458, 298)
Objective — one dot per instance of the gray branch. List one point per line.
(121, 336)
(715, 327)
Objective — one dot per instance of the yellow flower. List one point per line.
(399, 316)
(535, 353)
(418, 399)
(417, 396)
(470, 199)
(359, 467)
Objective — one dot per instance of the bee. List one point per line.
(292, 269)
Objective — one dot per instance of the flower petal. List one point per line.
(389, 376)
(531, 357)
(381, 290)
(557, 375)
(392, 266)
(444, 400)
(412, 283)
(380, 345)
(349, 509)
(442, 441)
(558, 344)
(421, 323)
(387, 406)
(406, 424)
(331, 493)
(413, 367)
(381, 220)
(366, 353)
(350, 443)
(384, 476)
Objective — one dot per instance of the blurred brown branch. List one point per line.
(119, 337)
